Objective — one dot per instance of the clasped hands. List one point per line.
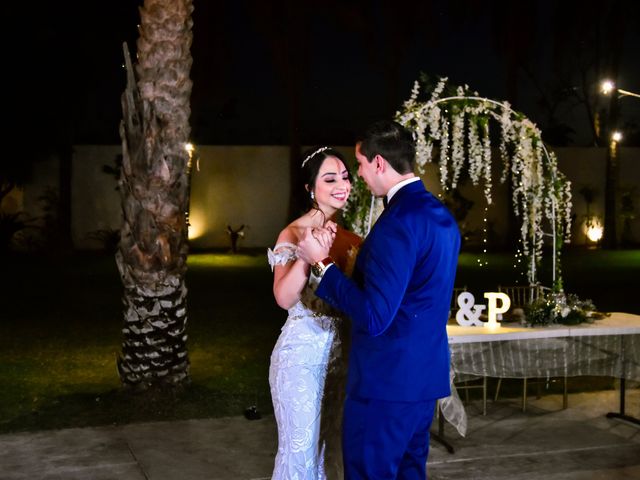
(316, 243)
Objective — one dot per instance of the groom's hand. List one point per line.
(315, 245)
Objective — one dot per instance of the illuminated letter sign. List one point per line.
(493, 309)
(469, 314)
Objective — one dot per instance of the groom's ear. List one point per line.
(380, 163)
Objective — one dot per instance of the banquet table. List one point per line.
(607, 347)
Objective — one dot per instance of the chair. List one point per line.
(454, 301)
(480, 382)
(522, 295)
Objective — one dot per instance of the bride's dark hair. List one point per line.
(311, 162)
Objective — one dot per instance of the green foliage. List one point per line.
(558, 308)
(60, 330)
(10, 224)
(356, 213)
(539, 312)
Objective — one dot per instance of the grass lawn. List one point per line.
(60, 326)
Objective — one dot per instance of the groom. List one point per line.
(398, 301)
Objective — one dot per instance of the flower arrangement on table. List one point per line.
(560, 308)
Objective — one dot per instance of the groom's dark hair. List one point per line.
(391, 141)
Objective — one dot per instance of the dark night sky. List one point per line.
(352, 61)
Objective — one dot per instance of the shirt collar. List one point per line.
(393, 190)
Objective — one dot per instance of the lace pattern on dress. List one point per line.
(307, 377)
(282, 254)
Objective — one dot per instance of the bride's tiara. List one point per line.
(320, 150)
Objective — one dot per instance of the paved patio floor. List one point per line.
(546, 442)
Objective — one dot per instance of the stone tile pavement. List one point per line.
(546, 442)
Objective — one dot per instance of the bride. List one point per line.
(309, 361)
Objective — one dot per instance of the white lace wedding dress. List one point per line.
(307, 379)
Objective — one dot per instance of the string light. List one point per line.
(484, 240)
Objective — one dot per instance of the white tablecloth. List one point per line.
(608, 347)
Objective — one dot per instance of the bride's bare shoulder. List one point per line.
(292, 233)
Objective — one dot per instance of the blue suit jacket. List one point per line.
(398, 300)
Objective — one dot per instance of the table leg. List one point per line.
(439, 437)
(621, 414)
(484, 395)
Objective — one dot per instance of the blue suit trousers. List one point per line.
(386, 440)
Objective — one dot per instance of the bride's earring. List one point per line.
(313, 197)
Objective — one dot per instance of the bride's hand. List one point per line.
(331, 226)
(324, 236)
(310, 247)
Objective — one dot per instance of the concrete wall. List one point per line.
(239, 186)
(45, 177)
(230, 185)
(585, 167)
(95, 201)
(249, 185)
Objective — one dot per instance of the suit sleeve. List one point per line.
(388, 267)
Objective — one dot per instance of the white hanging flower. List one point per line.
(438, 90)
(433, 120)
(540, 191)
(457, 147)
(475, 152)
(444, 153)
(486, 162)
(507, 137)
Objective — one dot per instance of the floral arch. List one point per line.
(458, 124)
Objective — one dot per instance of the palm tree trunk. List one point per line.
(154, 187)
